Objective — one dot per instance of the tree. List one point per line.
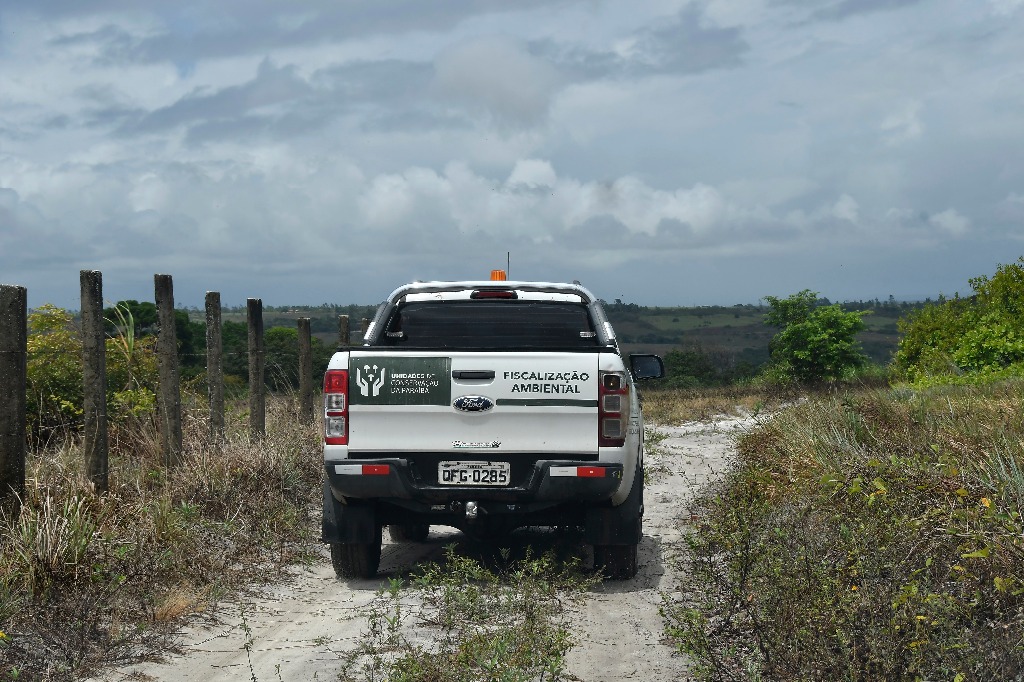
(697, 366)
(980, 335)
(815, 342)
(281, 345)
(282, 353)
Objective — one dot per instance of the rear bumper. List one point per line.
(537, 488)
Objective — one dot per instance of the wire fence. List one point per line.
(13, 377)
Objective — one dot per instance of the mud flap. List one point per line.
(612, 526)
(347, 523)
(622, 525)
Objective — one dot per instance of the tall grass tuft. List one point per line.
(865, 535)
(50, 541)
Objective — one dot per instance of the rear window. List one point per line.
(490, 325)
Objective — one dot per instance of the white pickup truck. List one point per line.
(486, 406)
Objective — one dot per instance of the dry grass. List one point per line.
(674, 406)
(180, 601)
(87, 579)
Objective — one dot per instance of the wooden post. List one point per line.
(169, 395)
(364, 324)
(305, 371)
(13, 381)
(94, 380)
(343, 332)
(215, 367)
(257, 397)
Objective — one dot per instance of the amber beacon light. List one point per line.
(498, 276)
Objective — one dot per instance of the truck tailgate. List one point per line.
(476, 403)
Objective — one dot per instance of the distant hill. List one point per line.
(736, 330)
(739, 330)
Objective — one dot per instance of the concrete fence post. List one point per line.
(343, 332)
(169, 395)
(215, 367)
(94, 380)
(13, 383)
(257, 361)
(305, 371)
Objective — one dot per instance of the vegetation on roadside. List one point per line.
(54, 405)
(964, 340)
(869, 535)
(54, 372)
(89, 580)
(461, 621)
(280, 343)
(672, 406)
(815, 342)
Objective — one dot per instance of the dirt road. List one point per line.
(294, 631)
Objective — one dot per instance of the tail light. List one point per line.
(612, 409)
(336, 407)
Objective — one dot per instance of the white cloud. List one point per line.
(951, 222)
(476, 203)
(149, 193)
(903, 124)
(846, 208)
(532, 173)
(1011, 210)
(394, 200)
(768, 191)
(1003, 8)
(500, 76)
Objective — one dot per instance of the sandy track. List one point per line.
(620, 627)
(295, 629)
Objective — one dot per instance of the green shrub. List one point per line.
(977, 337)
(54, 369)
(815, 343)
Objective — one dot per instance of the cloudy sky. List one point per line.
(664, 152)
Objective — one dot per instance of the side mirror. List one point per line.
(646, 366)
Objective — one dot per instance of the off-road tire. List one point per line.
(356, 559)
(409, 532)
(616, 562)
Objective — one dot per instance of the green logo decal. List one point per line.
(399, 381)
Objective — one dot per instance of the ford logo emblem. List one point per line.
(473, 403)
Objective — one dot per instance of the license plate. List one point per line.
(473, 473)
